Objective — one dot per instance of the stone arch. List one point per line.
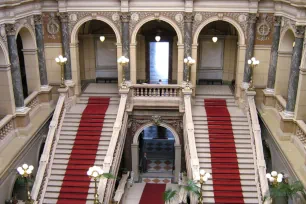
(135, 149)
(27, 36)
(136, 135)
(4, 57)
(216, 18)
(152, 18)
(286, 40)
(74, 32)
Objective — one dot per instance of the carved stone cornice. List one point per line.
(125, 17)
(188, 17)
(299, 31)
(252, 18)
(64, 17)
(10, 29)
(277, 20)
(38, 20)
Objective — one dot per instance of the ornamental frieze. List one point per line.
(75, 17)
(264, 27)
(176, 17)
(240, 18)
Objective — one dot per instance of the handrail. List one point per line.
(156, 90)
(189, 127)
(121, 187)
(44, 162)
(250, 108)
(108, 160)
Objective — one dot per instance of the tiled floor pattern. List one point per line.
(156, 180)
(160, 165)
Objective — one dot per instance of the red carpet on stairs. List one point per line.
(224, 162)
(153, 194)
(76, 183)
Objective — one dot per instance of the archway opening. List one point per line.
(156, 53)
(217, 54)
(283, 64)
(97, 53)
(156, 153)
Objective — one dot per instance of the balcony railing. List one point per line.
(156, 90)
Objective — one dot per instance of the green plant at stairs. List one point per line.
(169, 195)
(281, 192)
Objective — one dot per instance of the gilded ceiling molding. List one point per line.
(240, 18)
(75, 17)
(176, 17)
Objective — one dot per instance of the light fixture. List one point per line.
(102, 38)
(25, 171)
(157, 38)
(189, 62)
(123, 61)
(293, 44)
(274, 178)
(60, 60)
(214, 39)
(95, 172)
(253, 63)
(202, 179)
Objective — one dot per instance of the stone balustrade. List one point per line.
(156, 90)
(280, 103)
(6, 127)
(32, 101)
(300, 132)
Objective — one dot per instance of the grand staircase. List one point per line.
(223, 142)
(83, 142)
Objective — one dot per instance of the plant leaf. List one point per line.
(169, 194)
(108, 176)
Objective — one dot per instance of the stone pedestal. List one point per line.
(22, 119)
(45, 95)
(70, 85)
(286, 127)
(269, 98)
(63, 91)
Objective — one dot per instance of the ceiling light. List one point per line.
(102, 38)
(214, 39)
(157, 38)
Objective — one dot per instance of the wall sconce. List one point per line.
(102, 38)
(214, 39)
(157, 38)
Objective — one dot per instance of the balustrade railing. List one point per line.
(6, 129)
(32, 101)
(156, 90)
(44, 169)
(121, 187)
(260, 170)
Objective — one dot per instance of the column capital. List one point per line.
(277, 20)
(125, 17)
(252, 18)
(299, 31)
(10, 29)
(63, 16)
(38, 19)
(188, 17)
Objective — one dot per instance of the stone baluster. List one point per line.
(15, 67)
(125, 19)
(295, 70)
(188, 19)
(250, 46)
(41, 51)
(64, 18)
(274, 55)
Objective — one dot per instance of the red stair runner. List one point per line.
(153, 194)
(76, 183)
(224, 162)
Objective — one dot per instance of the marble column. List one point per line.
(250, 46)
(274, 54)
(41, 50)
(125, 19)
(295, 70)
(188, 19)
(15, 67)
(64, 18)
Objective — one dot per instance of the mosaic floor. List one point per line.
(160, 165)
(156, 180)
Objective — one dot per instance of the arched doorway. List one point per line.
(156, 53)
(28, 61)
(217, 59)
(97, 53)
(75, 50)
(283, 64)
(156, 152)
(233, 30)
